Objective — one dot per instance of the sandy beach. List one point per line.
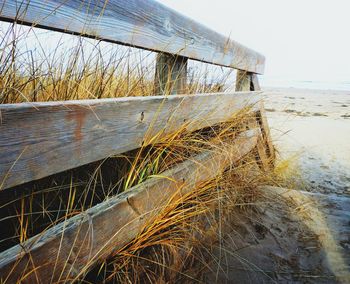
(301, 235)
(312, 128)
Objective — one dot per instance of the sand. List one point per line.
(313, 127)
(290, 237)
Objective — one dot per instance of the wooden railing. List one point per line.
(138, 23)
(41, 139)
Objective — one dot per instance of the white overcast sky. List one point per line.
(301, 39)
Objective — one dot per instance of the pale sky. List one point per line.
(301, 39)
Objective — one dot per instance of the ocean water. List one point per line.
(315, 85)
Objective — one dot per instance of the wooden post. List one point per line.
(243, 81)
(246, 81)
(171, 74)
(262, 120)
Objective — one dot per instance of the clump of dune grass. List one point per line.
(167, 247)
(177, 245)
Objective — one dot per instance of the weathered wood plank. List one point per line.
(63, 251)
(40, 139)
(145, 24)
(171, 74)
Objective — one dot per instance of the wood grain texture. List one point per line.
(265, 129)
(66, 249)
(40, 139)
(262, 158)
(243, 81)
(145, 24)
(246, 81)
(171, 74)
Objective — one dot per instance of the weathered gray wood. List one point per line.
(243, 81)
(145, 24)
(255, 85)
(40, 139)
(68, 248)
(246, 81)
(171, 74)
(262, 157)
(265, 129)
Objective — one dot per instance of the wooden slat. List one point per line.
(40, 139)
(171, 74)
(145, 24)
(63, 251)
